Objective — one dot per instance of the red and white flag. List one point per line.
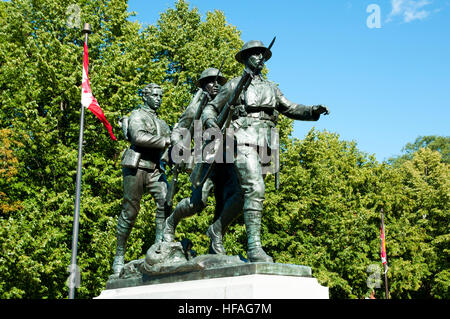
(383, 246)
(87, 99)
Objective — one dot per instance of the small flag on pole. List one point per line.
(87, 99)
(383, 246)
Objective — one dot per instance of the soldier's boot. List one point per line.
(183, 209)
(118, 264)
(229, 212)
(214, 233)
(255, 253)
(159, 223)
(160, 220)
(123, 231)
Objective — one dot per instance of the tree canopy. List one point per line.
(440, 144)
(327, 214)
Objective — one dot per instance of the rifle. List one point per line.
(202, 170)
(172, 189)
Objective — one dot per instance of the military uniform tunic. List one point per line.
(148, 136)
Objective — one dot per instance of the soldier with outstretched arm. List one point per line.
(141, 167)
(255, 112)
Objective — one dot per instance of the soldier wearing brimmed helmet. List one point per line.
(255, 114)
(224, 180)
(208, 78)
(207, 85)
(253, 46)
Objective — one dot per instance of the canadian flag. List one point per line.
(87, 99)
(383, 246)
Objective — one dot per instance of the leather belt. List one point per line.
(262, 115)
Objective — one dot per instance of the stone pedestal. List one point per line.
(243, 281)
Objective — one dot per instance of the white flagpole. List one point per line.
(73, 263)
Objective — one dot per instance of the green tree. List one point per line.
(426, 183)
(440, 144)
(40, 99)
(424, 171)
(8, 171)
(40, 60)
(327, 216)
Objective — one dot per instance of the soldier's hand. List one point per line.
(168, 142)
(211, 123)
(321, 109)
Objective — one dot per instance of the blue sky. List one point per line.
(384, 86)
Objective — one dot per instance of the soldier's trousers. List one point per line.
(251, 177)
(199, 197)
(248, 167)
(227, 193)
(135, 182)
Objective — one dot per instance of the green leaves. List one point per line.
(40, 78)
(327, 215)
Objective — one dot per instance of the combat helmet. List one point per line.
(253, 44)
(211, 73)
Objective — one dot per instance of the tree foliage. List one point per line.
(8, 171)
(440, 144)
(326, 214)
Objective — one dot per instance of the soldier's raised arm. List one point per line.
(299, 111)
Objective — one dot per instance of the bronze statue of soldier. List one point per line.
(142, 167)
(256, 110)
(223, 179)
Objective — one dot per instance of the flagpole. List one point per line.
(385, 264)
(76, 216)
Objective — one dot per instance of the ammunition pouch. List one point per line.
(130, 158)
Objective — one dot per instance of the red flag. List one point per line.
(383, 246)
(87, 99)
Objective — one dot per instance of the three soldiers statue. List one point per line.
(249, 106)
